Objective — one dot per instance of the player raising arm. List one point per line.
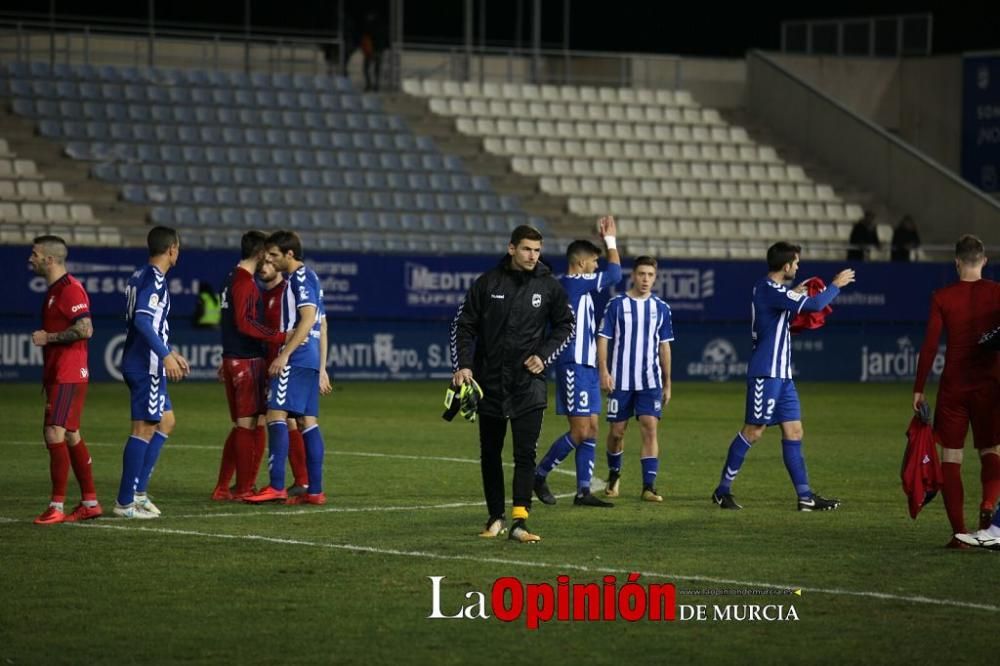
(771, 395)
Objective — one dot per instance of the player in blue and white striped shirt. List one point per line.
(640, 328)
(147, 364)
(295, 373)
(578, 389)
(771, 395)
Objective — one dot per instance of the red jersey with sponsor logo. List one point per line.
(65, 303)
(272, 314)
(965, 310)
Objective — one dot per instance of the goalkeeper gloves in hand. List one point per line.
(462, 399)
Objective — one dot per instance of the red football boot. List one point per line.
(50, 516)
(81, 512)
(269, 494)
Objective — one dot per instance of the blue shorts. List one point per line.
(149, 396)
(623, 404)
(771, 401)
(578, 390)
(295, 390)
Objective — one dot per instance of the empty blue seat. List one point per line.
(277, 218)
(509, 204)
(232, 217)
(300, 219)
(343, 219)
(175, 173)
(467, 202)
(404, 201)
(209, 217)
(272, 197)
(333, 179)
(295, 198)
(254, 218)
(432, 162)
(446, 201)
(244, 176)
(361, 200)
(248, 196)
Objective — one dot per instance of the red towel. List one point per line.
(807, 321)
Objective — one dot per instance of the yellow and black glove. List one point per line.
(462, 399)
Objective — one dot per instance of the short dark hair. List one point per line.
(55, 246)
(581, 249)
(969, 249)
(782, 253)
(252, 243)
(644, 260)
(160, 239)
(524, 231)
(285, 241)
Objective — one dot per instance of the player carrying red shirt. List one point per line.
(66, 326)
(969, 391)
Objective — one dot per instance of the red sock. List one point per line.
(989, 474)
(228, 465)
(79, 456)
(58, 470)
(244, 442)
(259, 444)
(954, 496)
(297, 458)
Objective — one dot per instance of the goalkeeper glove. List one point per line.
(464, 399)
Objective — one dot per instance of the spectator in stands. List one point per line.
(373, 43)
(864, 236)
(207, 309)
(905, 239)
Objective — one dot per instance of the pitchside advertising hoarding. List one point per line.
(389, 315)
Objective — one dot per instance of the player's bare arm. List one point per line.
(307, 315)
(82, 329)
(844, 277)
(607, 381)
(665, 364)
(918, 399)
(325, 387)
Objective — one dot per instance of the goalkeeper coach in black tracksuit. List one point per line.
(513, 323)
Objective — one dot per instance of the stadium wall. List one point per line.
(905, 178)
(919, 99)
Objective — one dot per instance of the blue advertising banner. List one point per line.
(419, 350)
(424, 288)
(981, 121)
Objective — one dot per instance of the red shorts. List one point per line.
(246, 386)
(64, 405)
(956, 410)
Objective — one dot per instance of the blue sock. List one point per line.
(313, 439)
(149, 463)
(791, 452)
(555, 455)
(650, 466)
(585, 455)
(738, 450)
(132, 458)
(277, 439)
(615, 461)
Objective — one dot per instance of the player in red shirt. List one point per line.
(66, 326)
(245, 339)
(970, 383)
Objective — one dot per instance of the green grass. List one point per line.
(348, 584)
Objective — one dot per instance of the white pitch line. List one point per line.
(598, 485)
(546, 565)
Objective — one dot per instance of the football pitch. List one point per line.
(351, 581)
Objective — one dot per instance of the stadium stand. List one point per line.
(31, 205)
(218, 151)
(681, 179)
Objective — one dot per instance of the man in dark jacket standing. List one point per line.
(512, 325)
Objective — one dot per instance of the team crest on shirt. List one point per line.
(536, 300)
(154, 300)
(83, 373)
(52, 299)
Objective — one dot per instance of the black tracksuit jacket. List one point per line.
(507, 316)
